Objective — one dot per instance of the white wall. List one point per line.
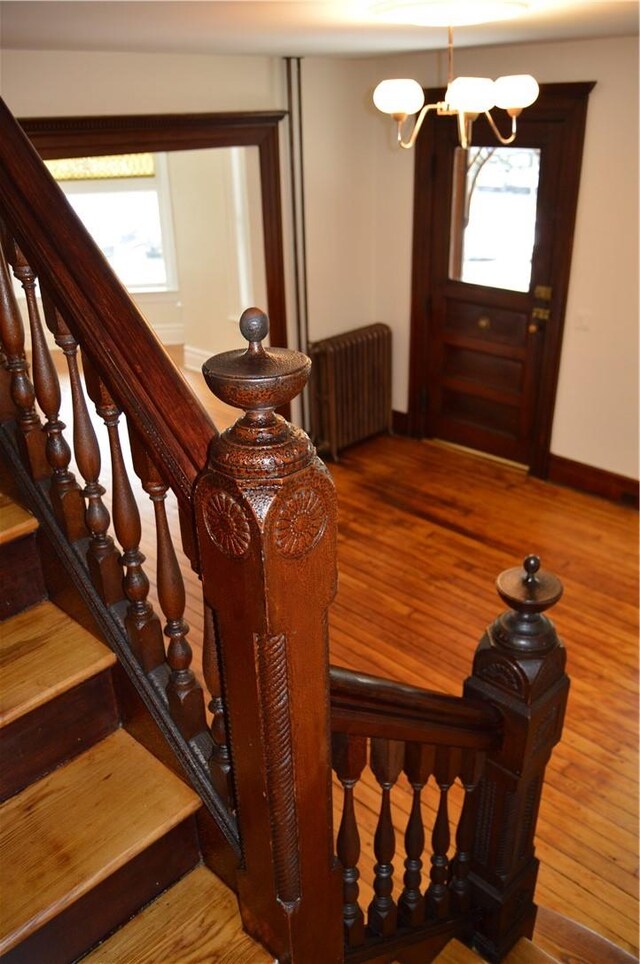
(207, 241)
(359, 195)
(37, 83)
(596, 411)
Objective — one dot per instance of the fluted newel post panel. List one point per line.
(519, 667)
(266, 525)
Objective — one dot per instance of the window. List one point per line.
(124, 202)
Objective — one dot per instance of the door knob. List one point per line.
(533, 328)
(484, 322)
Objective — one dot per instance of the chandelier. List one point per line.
(466, 98)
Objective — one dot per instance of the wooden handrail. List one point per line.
(98, 309)
(376, 707)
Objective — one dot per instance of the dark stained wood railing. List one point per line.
(98, 309)
(373, 706)
(258, 521)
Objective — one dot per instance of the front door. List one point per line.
(493, 230)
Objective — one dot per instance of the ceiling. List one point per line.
(283, 27)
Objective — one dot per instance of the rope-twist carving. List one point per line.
(276, 731)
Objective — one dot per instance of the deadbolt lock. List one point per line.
(541, 314)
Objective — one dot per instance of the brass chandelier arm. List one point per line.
(514, 123)
(416, 127)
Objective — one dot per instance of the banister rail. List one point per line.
(172, 423)
(376, 707)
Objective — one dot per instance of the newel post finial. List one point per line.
(519, 666)
(266, 523)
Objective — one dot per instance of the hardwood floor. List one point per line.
(424, 531)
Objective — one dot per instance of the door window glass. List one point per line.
(493, 216)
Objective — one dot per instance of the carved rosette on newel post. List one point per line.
(520, 667)
(266, 523)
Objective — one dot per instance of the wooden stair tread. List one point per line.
(43, 652)
(64, 834)
(15, 522)
(196, 920)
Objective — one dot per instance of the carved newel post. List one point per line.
(519, 666)
(266, 522)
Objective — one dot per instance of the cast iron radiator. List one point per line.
(350, 387)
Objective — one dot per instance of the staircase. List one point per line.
(120, 788)
(92, 826)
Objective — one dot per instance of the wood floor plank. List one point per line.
(42, 654)
(194, 922)
(58, 838)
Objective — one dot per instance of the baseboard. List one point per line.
(194, 358)
(400, 422)
(168, 332)
(587, 478)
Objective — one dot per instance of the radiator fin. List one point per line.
(350, 387)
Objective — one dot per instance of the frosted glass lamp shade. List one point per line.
(516, 91)
(471, 95)
(398, 96)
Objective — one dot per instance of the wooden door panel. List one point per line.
(488, 324)
(477, 368)
(464, 418)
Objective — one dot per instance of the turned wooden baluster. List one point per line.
(220, 762)
(470, 774)
(142, 624)
(418, 766)
(103, 558)
(387, 757)
(7, 408)
(349, 757)
(445, 771)
(186, 700)
(30, 436)
(66, 496)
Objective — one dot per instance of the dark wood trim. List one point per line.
(78, 136)
(587, 478)
(558, 103)
(573, 114)
(400, 422)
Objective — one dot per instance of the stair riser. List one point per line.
(95, 915)
(20, 576)
(56, 732)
